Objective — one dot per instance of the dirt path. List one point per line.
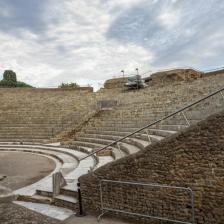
(22, 169)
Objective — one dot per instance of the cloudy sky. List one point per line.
(47, 42)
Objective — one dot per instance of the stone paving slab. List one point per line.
(48, 210)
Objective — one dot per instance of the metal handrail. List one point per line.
(155, 122)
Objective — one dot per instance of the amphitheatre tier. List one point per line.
(22, 169)
(71, 125)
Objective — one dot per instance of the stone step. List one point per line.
(65, 201)
(129, 145)
(103, 160)
(25, 135)
(30, 141)
(35, 199)
(129, 148)
(150, 138)
(115, 151)
(116, 126)
(160, 132)
(171, 127)
(94, 140)
(115, 135)
(140, 143)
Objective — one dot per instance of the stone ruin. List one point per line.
(175, 75)
(115, 83)
(158, 78)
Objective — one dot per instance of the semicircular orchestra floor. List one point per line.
(22, 169)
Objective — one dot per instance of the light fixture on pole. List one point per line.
(123, 73)
(137, 71)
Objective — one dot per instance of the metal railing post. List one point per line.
(192, 205)
(119, 147)
(80, 213)
(222, 94)
(185, 118)
(147, 132)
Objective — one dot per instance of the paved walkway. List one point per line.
(48, 210)
(89, 219)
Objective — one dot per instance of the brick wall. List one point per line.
(193, 158)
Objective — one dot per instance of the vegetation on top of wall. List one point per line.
(10, 80)
(69, 85)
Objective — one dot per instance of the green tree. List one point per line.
(10, 81)
(10, 76)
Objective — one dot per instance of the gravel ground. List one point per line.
(15, 214)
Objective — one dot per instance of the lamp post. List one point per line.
(137, 78)
(123, 73)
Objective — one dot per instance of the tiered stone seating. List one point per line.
(27, 116)
(137, 109)
(66, 162)
(34, 115)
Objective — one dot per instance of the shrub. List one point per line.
(69, 85)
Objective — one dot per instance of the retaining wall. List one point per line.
(193, 158)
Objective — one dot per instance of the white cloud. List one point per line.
(78, 51)
(169, 17)
(74, 46)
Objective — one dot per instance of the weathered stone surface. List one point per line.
(194, 158)
(175, 75)
(115, 83)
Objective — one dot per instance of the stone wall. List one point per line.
(193, 158)
(212, 73)
(175, 75)
(43, 90)
(38, 114)
(115, 83)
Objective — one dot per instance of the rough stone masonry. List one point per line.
(193, 158)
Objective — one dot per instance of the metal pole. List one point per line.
(147, 132)
(119, 148)
(192, 205)
(80, 213)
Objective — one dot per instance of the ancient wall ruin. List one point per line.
(175, 75)
(193, 158)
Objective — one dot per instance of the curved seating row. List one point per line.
(67, 161)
